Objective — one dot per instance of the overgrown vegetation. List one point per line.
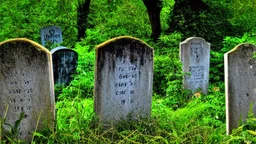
(178, 116)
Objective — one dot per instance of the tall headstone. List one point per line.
(195, 56)
(51, 34)
(26, 86)
(123, 79)
(240, 82)
(64, 64)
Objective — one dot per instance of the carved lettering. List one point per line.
(197, 74)
(197, 50)
(126, 83)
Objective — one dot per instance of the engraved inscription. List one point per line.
(197, 50)
(126, 82)
(20, 93)
(197, 74)
(52, 36)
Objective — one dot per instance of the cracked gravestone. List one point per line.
(123, 79)
(195, 57)
(26, 86)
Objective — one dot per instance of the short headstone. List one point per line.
(26, 86)
(195, 56)
(51, 34)
(123, 80)
(240, 82)
(64, 64)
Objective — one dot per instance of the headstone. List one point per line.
(195, 56)
(123, 80)
(64, 64)
(26, 86)
(51, 34)
(240, 82)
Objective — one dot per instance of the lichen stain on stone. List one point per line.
(122, 48)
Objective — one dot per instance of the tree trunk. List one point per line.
(82, 14)
(154, 8)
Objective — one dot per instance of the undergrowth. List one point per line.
(178, 116)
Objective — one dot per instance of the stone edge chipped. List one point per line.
(121, 37)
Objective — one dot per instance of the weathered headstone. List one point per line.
(26, 86)
(51, 34)
(64, 64)
(240, 82)
(195, 56)
(123, 79)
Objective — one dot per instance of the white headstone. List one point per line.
(195, 56)
(26, 86)
(51, 34)
(123, 79)
(240, 84)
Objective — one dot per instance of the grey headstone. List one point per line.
(51, 34)
(26, 85)
(240, 82)
(195, 56)
(123, 79)
(64, 64)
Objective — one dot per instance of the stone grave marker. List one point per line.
(240, 82)
(26, 86)
(64, 64)
(123, 79)
(51, 34)
(195, 56)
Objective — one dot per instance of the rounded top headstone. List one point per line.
(38, 46)
(239, 46)
(26, 86)
(59, 48)
(119, 38)
(123, 79)
(193, 38)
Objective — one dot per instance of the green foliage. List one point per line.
(244, 14)
(83, 83)
(198, 122)
(165, 70)
(178, 116)
(10, 133)
(166, 63)
(117, 18)
(25, 18)
(245, 133)
(206, 19)
(217, 57)
(164, 15)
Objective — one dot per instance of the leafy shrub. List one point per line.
(118, 18)
(245, 133)
(217, 56)
(83, 82)
(166, 63)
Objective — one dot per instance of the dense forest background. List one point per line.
(178, 116)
